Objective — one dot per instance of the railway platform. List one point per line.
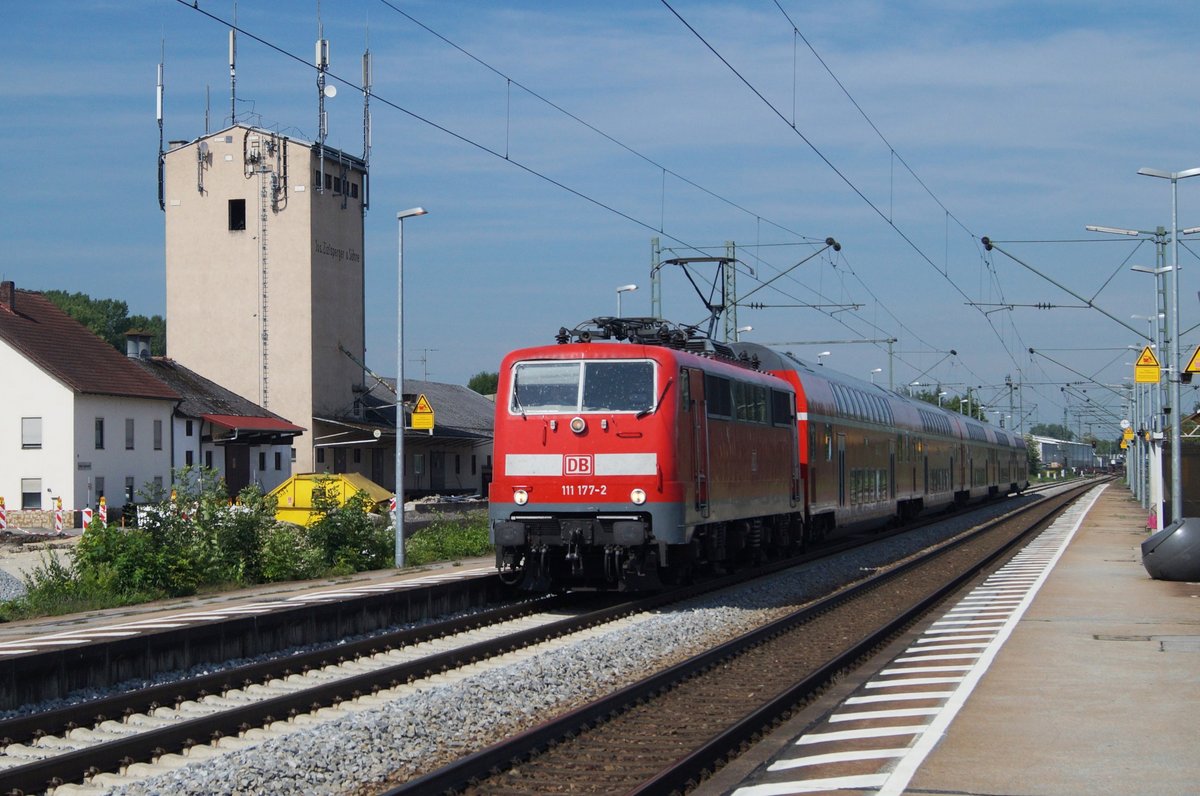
(1069, 671)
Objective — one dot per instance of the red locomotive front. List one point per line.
(615, 461)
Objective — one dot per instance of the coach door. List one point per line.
(697, 409)
(841, 468)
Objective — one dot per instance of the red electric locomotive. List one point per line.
(617, 461)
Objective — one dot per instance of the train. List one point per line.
(632, 453)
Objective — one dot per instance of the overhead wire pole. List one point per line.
(1173, 327)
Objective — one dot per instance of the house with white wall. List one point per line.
(80, 421)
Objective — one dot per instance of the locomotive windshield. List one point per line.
(600, 386)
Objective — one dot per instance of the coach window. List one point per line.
(685, 389)
(828, 442)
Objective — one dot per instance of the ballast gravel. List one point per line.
(438, 723)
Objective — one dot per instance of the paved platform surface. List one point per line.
(1083, 679)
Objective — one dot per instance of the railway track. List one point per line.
(230, 709)
(663, 733)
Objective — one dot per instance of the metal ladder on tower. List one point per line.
(264, 179)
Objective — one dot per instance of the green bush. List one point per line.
(289, 554)
(347, 536)
(449, 540)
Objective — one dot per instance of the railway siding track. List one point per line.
(664, 732)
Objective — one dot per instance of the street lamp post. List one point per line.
(399, 516)
(620, 290)
(737, 335)
(1173, 334)
(821, 356)
(873, 372)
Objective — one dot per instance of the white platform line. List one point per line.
(852, 735)
(915, 695)
(907, 766)
(814, 785)
(836, 757)
(891, 713)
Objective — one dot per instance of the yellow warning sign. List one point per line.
(1146, 369)
(1193, 365)
(422, 415)
(1128, 434)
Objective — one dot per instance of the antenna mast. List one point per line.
(232, 75)
(162, 57)
(366, 84)
(322, 60)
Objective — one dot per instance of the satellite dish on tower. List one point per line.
(331, 91)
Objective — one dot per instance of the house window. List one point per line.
(320, 455)
(99, 487)
(208, 459)
(31, 432)
(129, 433)
(237, 214)
(358, 455)
(31, 493)
(99, 433)
(157, 435)
(188, 458)
(262, 461)
(418, 463)
(187, 428)
(353, 190)
(158, 485)
(278, 461)
(129, 489)
(293, 455)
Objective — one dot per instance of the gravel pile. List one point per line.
(425, 729)
(11, 587)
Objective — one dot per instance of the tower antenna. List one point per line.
(233, 70)
(366, 84)
(162, 57)
(322, 61)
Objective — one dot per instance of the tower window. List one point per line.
(237, 214)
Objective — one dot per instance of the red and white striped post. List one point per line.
(3, 516)
(87, 518)
(103, 510)
(58, 520)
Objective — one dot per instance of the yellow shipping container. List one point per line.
(294, 496)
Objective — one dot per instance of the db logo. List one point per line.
(577, 465)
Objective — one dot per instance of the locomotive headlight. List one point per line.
(520, 497)
(638, 496)
(578, 424)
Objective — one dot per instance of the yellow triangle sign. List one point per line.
(1147, 359)
(423, 407)
(1194, 363)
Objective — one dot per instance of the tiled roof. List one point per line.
(458, 411)
(203, 397)
(69, 352)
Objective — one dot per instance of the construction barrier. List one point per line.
(87, 518)
(3, 516)
(58, 518)
(103, 511)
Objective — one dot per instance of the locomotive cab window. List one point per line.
(604, 386)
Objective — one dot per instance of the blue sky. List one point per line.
(921, 127)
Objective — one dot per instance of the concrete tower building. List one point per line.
(264, 258)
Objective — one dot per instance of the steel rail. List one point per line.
(480, 765)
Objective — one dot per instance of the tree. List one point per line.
(109, 319)
(1052, 430)
(484, 382)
